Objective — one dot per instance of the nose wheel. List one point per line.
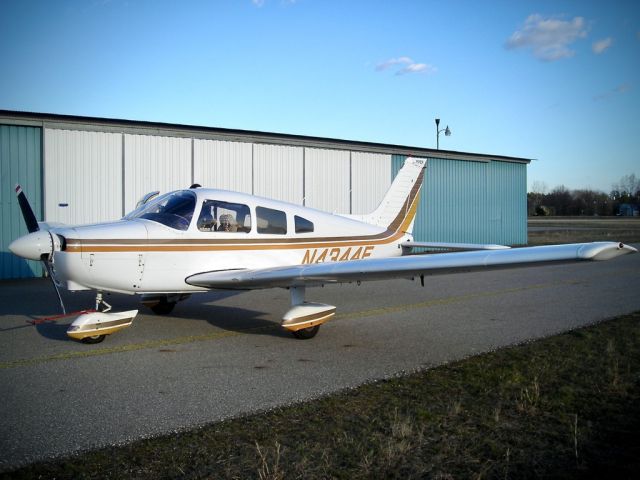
(93, 340)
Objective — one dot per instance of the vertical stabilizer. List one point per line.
(397, 210)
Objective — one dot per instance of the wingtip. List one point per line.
(605, 250)
(627, 248)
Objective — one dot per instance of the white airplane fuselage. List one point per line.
(139, 255)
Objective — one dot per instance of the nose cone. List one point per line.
(32, 246)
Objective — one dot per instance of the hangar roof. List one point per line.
(73, 122)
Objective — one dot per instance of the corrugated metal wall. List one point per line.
(327, 180)
(20, 163)
(278, 172)
(219, 164)
(370, 180)
(476, 202)
(81, 170)
(154, 163)
(507, 198)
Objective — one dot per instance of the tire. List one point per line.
(163, 307)
(306, 333)
(94, 339)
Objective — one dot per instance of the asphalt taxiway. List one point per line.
(222, 354)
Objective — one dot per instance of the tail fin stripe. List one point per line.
(405, 211)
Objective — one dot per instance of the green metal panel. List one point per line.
(474, 202)
(20, 163)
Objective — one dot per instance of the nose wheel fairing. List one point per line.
(94, 326)
(98, 324)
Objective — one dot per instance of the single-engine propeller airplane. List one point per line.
(194, 240)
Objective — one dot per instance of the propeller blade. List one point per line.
(27, 212)
(47, 265)
(32, 226)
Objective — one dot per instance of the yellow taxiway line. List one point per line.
(219, 335)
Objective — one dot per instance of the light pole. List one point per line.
(446, 131)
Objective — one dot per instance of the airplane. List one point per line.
(197, 239)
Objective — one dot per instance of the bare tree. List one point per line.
(629, 185)
(539, 186)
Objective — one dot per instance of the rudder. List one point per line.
(398, 207)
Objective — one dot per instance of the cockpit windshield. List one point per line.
(174, 210)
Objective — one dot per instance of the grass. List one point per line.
(552, 230)
(566, 406)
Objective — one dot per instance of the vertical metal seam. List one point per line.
(124, 167)
(350, 182)
(43, 187)
(193, 162)
(253, 168)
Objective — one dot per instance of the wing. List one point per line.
(403, 267)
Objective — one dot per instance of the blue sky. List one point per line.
(557, 81)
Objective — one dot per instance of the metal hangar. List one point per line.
(83, 169)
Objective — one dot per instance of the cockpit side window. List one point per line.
(271, 221)
(219, 216)
(174, 210)
(303, 225)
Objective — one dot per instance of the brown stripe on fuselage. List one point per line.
(180, 246)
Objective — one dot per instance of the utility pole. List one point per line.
(446, 131)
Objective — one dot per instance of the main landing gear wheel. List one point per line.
(94, 339)
(163, 307)
(306, 333)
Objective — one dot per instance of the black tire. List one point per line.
(163, 307)
(94, 339)
(306, 333)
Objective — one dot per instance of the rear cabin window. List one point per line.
(271, 221)
(303, 225)
(219, 216)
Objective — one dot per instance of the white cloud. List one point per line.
(409, 66)
(258, 3)
(548, 38)
(392, 62)
(417, 68)
(602, 45)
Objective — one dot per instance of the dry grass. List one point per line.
(553, 230)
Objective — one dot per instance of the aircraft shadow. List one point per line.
(36, 300)
(233, 319)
